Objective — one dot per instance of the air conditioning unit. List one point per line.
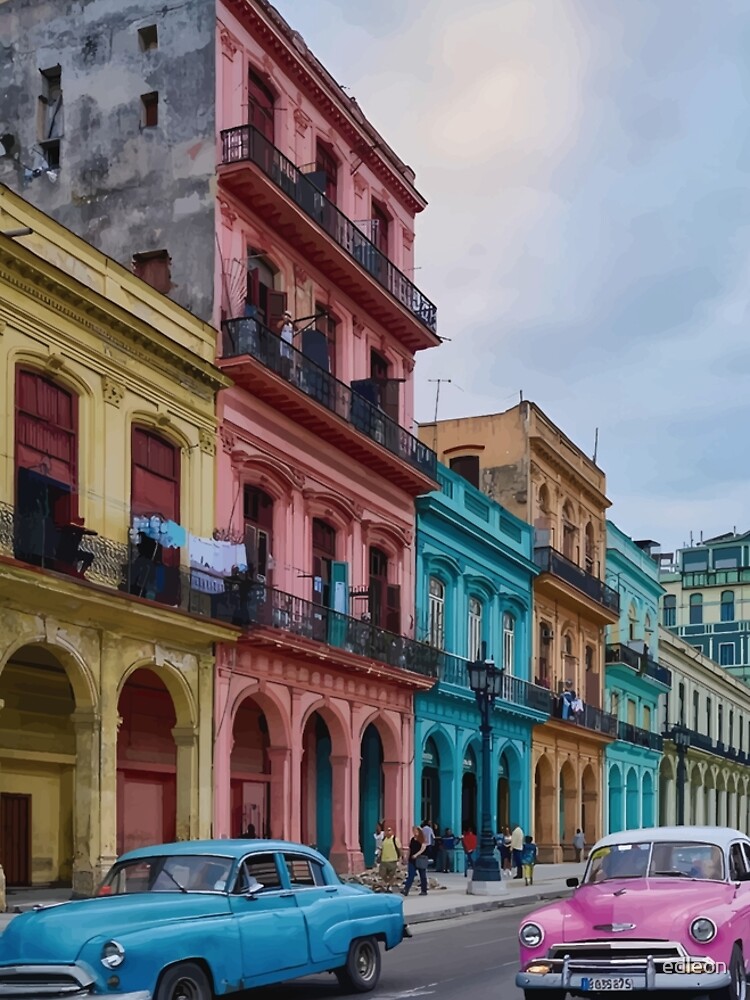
(547, 634)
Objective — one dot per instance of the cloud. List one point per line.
(588, 233)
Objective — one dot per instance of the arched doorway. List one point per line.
(568, 805)
(469, 799)
(250, 771)
(590, 805)
(543, 803)
(371, 791)
(430, 798)
(647, 801)
(37, 769)
(146, 763)
(615, 799)
(317, 785)
(503, 793)
(631, 800)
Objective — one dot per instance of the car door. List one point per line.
(742, 899)
(272, 930)
(322, 904)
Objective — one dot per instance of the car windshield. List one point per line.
(642, 859)
(168, 873)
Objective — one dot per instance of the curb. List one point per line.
(484, 907)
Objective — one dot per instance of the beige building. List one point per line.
(522, 460)
(708, 713)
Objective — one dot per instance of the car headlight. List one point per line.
(530, 935)
(113, 955)
(703, 930)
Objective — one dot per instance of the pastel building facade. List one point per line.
(710, 712)
(309, 212)
(107, 650)
(636, 685)
(474, 585)
(707, 599)
(523, 461)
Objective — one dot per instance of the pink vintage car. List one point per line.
(663, 910)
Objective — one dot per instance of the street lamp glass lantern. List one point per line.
(478, 676)
(495, 680)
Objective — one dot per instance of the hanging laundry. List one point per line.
(168, 534)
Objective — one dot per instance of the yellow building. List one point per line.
(107, 415)
(522, 460)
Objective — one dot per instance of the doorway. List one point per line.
(15, 838)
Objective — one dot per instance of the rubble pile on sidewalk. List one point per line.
(372, 880)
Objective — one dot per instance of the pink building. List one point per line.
(317, 472)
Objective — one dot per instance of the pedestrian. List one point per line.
(417, 862)
(469, 840)
(390, 853)
(378, 835)
(579, 843)
(448, 842)
(528, 860)
(504, 847)
(516, 847)
(250, 833)
(429, 839)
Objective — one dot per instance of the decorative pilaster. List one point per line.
(222, 752)
(281, 803)
(186, 741)
(345, 840)
(205, 735)
(87, 727)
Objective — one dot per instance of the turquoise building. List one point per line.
(635, 683)
(474, 577)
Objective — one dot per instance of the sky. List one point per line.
(587, 238)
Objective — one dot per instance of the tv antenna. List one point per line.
(439, 382)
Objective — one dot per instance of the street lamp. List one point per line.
(680, 736)
(486, 681)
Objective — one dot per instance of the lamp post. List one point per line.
(681, 738)
(486, 681)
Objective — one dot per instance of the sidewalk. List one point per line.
(445, 903)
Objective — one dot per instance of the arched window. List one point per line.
(436, 613)
(475, 628)
(590, 549)
(260, 102)
(696, 609)
(569, 660)
(385, 598)
(727, 605)
(544, 499)
(155, 496)
(648, 629)
(323, 558)
(258, 517)
(632, 622)
(670, 611)
(569, 530)
(509, 642)
(327, 169)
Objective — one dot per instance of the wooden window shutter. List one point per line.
(389, 398)
(276, 309)
(393, 609)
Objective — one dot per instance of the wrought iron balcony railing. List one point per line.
(645, 664)
(246, 143)
(639, 737)
(589, 718)
(257, 606)
(549, 560)
(250, 337)
(515, 690)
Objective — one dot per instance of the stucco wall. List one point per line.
(125, 188)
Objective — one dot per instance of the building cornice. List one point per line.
(579, 484)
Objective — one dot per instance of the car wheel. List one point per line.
(737, 989)
(186, 981)
(362, 970)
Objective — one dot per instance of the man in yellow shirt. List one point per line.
(390, 853)
(516, 848)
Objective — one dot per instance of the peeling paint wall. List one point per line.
(124, 187)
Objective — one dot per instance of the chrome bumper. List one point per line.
(55, 982)
(576, 975)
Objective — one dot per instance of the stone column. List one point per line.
(223, 743)
(393, 775)
(295, 763)
(345, 852)
(280, 792)
(110, 725)
(186, 741)
(87, 726)
(357, 858)
(205, 748)
(721, 808)
(710, 817)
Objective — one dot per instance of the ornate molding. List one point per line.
(300, 275)
(332, 504)
(229, 44)
(408, 238)
(112, 391)
(54, 362)
(302, 122)
(408, 366)
(358, 327)
(228, 214)
(207, 441)
(360, 184)
(228, 440)
(3, 326)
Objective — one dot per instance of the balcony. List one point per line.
(589, 595)
(644, 665)
(515, 691)
(269, 616)
(639, 737)
(261, 177)
(274, 371)
(591, 718)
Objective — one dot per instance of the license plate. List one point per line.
(607, 984)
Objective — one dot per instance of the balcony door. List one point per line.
(323, 556)
(260, 105)
(385, 599)
(263, 300)
(258, 519)
(155, 493)
(388, 389)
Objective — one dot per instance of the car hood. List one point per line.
(656, 908)
(57, 933)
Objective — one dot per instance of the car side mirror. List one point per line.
(252, 891)
(572, 882)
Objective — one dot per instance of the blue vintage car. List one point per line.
(192, 920)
